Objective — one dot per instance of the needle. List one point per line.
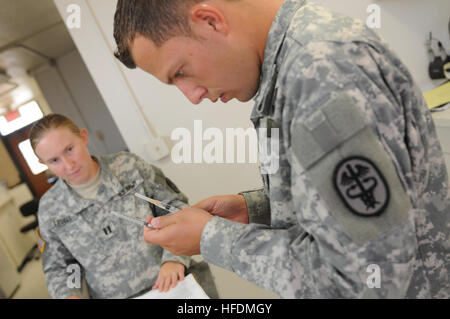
(132, 219)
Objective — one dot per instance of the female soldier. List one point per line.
(77, 226)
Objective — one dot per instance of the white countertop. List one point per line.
(441, 118)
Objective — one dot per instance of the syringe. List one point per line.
(167, 207)
(132, 219)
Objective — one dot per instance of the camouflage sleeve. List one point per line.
(168, 256)
(258, 206)
(56, 260)
(160, 187)
(338, 248)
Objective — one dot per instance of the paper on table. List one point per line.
(438, 96)
(186, 289)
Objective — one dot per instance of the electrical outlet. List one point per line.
(156, 148)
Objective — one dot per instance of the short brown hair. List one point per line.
(48, 123)
(158, 20)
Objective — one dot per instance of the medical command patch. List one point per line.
(361, 186)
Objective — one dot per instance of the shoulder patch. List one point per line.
(344, 159)
(40, 242)
(361, 186)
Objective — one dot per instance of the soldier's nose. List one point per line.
(194, 93)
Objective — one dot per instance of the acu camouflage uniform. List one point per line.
(343, 103)
(115, 260)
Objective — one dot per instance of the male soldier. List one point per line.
(359, 205)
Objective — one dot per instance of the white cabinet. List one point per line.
(9, 278)
(15, 244)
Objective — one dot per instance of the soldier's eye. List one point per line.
(179, 74)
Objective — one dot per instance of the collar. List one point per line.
(110, 185)
(108, 188)
(269, 70)
(90, 183)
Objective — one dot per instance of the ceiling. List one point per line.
(37, 25)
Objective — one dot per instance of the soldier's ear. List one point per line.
(208, 18)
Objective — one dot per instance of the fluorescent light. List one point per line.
(32, 160)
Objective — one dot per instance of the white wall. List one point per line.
(70, 91)
(144, 108)
(405, 25)
(91, 105)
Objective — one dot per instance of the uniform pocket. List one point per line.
(82, 242)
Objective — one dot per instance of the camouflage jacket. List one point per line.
(114, 259)
(356, 190)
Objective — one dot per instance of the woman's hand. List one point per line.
(169, 274)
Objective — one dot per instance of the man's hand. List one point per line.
(231, 207)
(179, 233)
(169, 274)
